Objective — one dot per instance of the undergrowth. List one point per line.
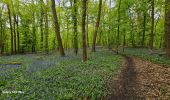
(57, 78)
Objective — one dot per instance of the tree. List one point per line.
(41, 22)
(97, 26)
(17, 25)
(33, 30)
(10, 23)
(18, 34)
(144, 29)
(152, 25)
(57, 28)
(46, 28)
(84, 3)
(2, 31)
(167, 27)
(118, 28)
(75, 28)
(14, 27)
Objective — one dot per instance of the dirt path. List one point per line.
(140, 80)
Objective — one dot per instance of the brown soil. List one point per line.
(140, 80)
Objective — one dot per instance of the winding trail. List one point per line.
(140, 80)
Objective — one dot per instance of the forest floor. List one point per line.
(41, 76)
(140, 80)
(143, 76)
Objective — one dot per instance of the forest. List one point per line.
(85, 49)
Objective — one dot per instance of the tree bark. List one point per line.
(167, 27)
(46, 30)
(118, 28)
(84, 2)
(75, 28)
(57, 28)
(87, 29)
(18, 35)
(152, 25)
(144, 29)
(33, 31)
(10, 23)
(15, 42)
(41, 24)
(97, 26)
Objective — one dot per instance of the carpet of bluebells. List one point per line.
(51, 77)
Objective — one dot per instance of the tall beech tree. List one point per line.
(18, 33)
(118, 28)
(97, 26)
(41, 23)
(144, 29)
(10, 23)
(167, 27)
(152, 24)
(2, 30)
(46, 29)
(57, 28)
(84, 45)
(75, 28)
(33, 29)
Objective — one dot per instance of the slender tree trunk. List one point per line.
(167, 27)
(33, 31)
(57, 28)
(46, 30)
(15, 42)
(14, 27)
(75, 28)
(118, 28)
(1, 34)
(67, 32)
(152, 25)
(144, 30)
(109, 33)
(124, 41)
(10, 23)
(97, 26)
(18, 35)
(41, 24)
(87, 27)
(84, 3)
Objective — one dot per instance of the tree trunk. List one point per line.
(1, 34)
(118, 28)
(144, 30)
(33, 31)
(124, 41)
(10, 23)
(67, 37)
(75, 28)
(97, 26)
(167, 27)
(15, 43)
(41, 25)
(46, 30)
(18, 35)
(87, 28)
(57, 28)
(84, 2)
(152, 25)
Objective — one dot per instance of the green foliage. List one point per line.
(53, 77)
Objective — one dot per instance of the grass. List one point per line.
(57, 78)
(145, 54)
